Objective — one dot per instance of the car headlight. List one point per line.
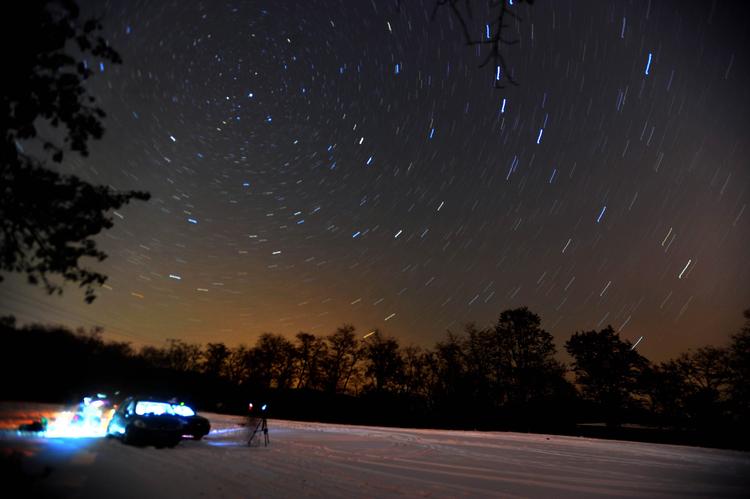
(139, 424)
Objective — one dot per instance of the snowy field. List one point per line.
(324, 460)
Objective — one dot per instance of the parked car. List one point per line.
(144, 421)
(196, 426)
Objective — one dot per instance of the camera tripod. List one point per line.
(258, 425)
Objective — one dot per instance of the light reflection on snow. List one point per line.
(225, 443)
(225, 430)
(65, 425)
(88, 420)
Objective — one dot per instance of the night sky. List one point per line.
(314, 163)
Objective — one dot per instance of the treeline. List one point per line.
(506, 376)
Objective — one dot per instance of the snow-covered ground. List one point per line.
(324, 460)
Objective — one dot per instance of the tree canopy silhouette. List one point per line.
(498, 12)
(607, 368)
(48, 219)
(739, 364)
(525, 355)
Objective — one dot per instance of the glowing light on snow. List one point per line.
(90, 420)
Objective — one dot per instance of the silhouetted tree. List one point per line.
(739, 371)
(494, 16)
(154, 356)
(666, 391)
(47, 219)
(524, 357)
(215, 358)
(182, 356)
(236, 365)
(704, 374)
(271, 362)
(607, 370)
(341, 362)
(383, 363)
(479, 357)
(693, 390)
(311, 353)
(417, 375)
(451, 390)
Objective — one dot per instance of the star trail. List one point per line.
(314, 163)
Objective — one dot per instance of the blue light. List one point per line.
(648, 64)
(432, 133)
(502, 108)
(398, 68)
(192, 220)
(539, 138)
(150, 407)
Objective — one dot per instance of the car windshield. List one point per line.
(183, 410)
(150, 407)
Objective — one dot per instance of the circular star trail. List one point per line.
(313, 163)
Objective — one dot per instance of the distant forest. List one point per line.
(504, 377)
